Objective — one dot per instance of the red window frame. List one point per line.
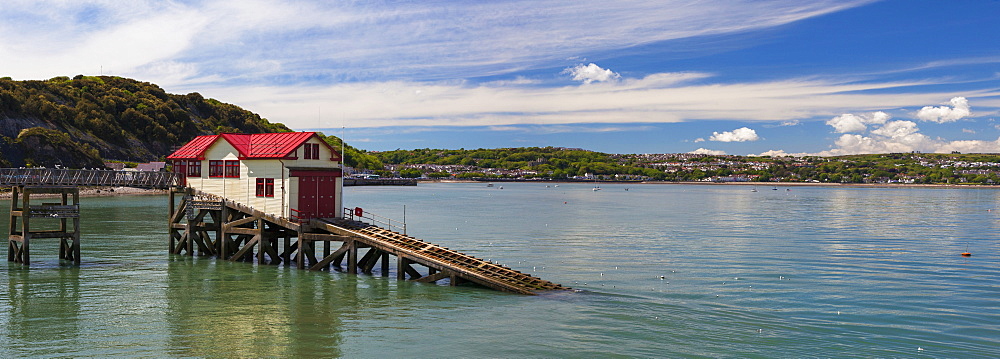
(193, 168)
(216, 168)
(265, 187)
(232, 169)
(310, 151)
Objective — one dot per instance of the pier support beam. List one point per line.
(22, 211)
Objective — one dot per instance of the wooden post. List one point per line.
(171, 207)
(25, 227)
(286, 257)
(401, 262)
(76, 229)
(385, 264)
(352, 257)
(11, 244)
(300, 256)
(221, 236)
(261, 242)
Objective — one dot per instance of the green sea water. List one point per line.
(659, 271)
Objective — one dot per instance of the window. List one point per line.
(265, 187)
(310, 151)
(215, 168)
(194, 168)
(232, 169)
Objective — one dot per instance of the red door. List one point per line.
(317, 193)
(307, 197)
(326, 190)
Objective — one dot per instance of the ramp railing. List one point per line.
(70, 177)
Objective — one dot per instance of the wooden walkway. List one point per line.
(20, 177)
(209, 225)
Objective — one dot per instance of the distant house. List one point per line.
(117, 166)
(151, 167)
(287, 174)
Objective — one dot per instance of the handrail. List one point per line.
(70, 177)
(374, 219)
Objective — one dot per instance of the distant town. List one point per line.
(580, 165)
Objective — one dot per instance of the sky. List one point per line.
(763, 77)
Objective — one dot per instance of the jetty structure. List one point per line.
(272, 198)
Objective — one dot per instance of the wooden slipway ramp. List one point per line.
(443, 262)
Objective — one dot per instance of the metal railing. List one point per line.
(358, 214)
(103, 178)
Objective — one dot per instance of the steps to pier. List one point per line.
(442, 262)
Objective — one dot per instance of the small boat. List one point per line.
(597, 189)
(489, 185)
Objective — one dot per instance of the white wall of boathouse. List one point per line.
(286, 189)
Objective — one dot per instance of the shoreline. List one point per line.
(101, 192)
(762, 184)
(129, 191)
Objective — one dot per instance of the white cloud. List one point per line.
(591, 73)
(699, 139)
(960, 109)
(897, 129)
(358, 40)
(742, 134)
(705, 151)
(549, 129)
(651, 99)
(847, 122)
(904, 136)
(968, 130)
(779, 153)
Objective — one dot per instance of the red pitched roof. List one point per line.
(194, 149)
(252, 146)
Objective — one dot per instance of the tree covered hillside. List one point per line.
(90, 118)
(81, 122)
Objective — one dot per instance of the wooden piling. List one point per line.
(22, 212)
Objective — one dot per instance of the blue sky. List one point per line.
(734, 77)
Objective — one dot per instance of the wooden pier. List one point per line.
(210, 225)
(63, 184)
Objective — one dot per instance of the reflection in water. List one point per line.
(40, 305)
(665, 271)
(217, 308)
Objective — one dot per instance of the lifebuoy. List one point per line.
(358, 212)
